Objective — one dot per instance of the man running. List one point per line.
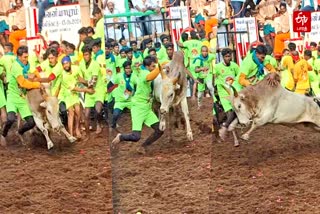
(141, 110)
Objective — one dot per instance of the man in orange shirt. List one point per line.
(282, 28)
(19, 27)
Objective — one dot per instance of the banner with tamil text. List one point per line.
(62, 23)
(246, 32)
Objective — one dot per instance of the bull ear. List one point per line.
(43, 104)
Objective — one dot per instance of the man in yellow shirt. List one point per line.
(300, 72)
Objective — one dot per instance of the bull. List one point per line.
(261, 104)
(45, 110)
(170, 89)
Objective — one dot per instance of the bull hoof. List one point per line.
(3, 141)
(236, 144)
(190, 136)
(50, 145)
(72, 139)
(162, 127)
(245, 137)
(223, 133)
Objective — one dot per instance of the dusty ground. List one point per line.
(74, 179)
(171, 177)
(277, 172)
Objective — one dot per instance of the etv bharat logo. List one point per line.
(301, 21)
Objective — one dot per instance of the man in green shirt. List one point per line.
(99, 30)
(202, 65)
(16, 100)
(126, 83)
(92, 78)
(225, 73)
(141, 110)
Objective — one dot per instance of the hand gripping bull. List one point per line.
(171, 90)
(45, 110)
(270, 103)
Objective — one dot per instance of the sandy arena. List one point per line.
(171, 177)
(74, 179)
(276, 172)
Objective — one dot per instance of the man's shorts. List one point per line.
(20, 106)
(142, 115)
(268, 29)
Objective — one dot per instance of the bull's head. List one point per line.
(51, 106)
(169, 85)
(241, 105)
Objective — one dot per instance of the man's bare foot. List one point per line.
(115, 141)
(99, 130)
(22, 138)
(78, 134)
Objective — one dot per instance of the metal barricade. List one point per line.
(228, 40)
(143, 27)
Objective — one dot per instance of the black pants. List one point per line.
(28, 125)
(63, 113)
(136, 135)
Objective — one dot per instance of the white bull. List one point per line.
(261, 104)
(170, 89)
(45, 110)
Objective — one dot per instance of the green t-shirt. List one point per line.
(69, 82)
(93, 69)
(223, 74)
(200, 62)
(14, 90)
(271, 60)
(56, 70)
(99, 33)
(120, 62)
(314, 82)
(193, 48)
(6, 62)
(143, 94)
(250, 69)
(121, 91)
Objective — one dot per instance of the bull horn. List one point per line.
(43, 93)
(227, 89)
(163, 74)
(234, 91)
(175, 80)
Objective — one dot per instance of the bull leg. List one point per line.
(68, 136)
(44, 131)
(232, 129)
(185, 110)
(162, 124)
(246, 135)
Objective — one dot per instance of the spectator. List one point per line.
(267, 10)
(136, 31)
(157, 24)
(282, 27)
(43, 5)
(4, 27)
(19, 26)
(238, 8)
(113, 29)
(144, 21)
(292, 5)
(308, 5)
(211, 23)
(99, 28)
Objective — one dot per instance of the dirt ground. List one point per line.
(74, 179)
(276, 172)
(172, 177)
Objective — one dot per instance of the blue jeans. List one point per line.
(43, 5)
(237, 5)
